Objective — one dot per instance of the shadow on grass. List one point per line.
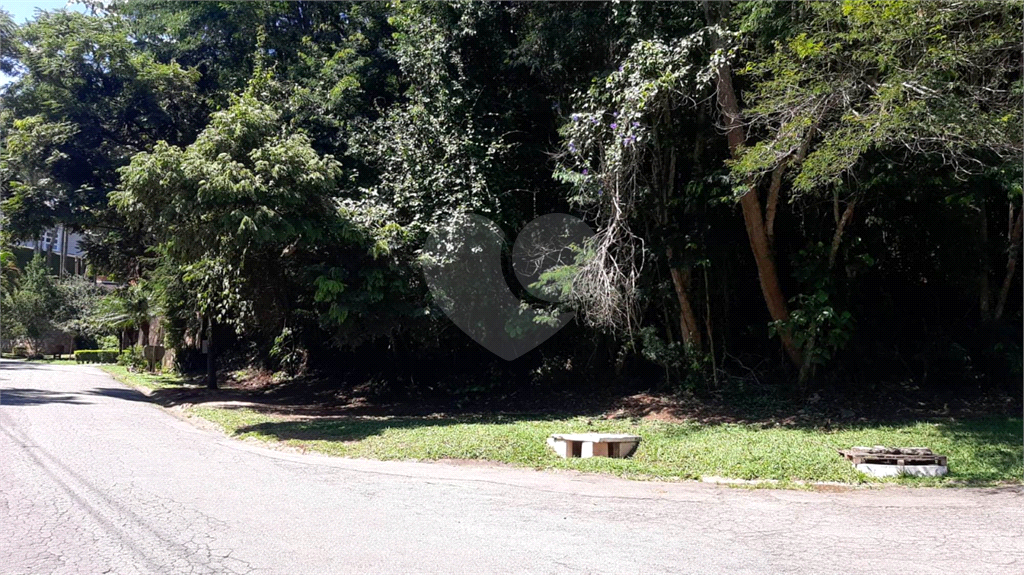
(997, 443)
(342, 429)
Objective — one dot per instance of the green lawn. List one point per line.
(980, 451)
(146, 380)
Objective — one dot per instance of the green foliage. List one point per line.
(132, 358)
(7, 52)
(80, 300)
(216, 194)
(108, 342)
(268, 171)
(436, 153)
(688, 367)
(902, 76)
(9, 274)
(289, 356)
(96, 356)
(620, 159)
(614, 127)
(127, 308)
(227, 206)
(32, 311)
(817, 328)
(86, 101)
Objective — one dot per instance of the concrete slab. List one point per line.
(587, 445)
(597, 437)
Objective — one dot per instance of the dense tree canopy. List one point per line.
(810, 196)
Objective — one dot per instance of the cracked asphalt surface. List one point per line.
(93, 479)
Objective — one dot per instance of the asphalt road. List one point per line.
(93, 479)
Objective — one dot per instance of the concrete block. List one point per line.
(593, 444)
(882, 470)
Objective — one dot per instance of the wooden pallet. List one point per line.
(893, 456)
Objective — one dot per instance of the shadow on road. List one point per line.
(23, 397)
(27, 397)
(24, 364)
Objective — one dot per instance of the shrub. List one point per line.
(96, 356)
(132, 358)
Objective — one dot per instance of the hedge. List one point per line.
(96, 356)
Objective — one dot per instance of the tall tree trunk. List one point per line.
(49, 250)
(766, 272)
(837, 237)
(708, 326)
(687, 318)
(688, 326)
(773, 201)
(63, 250)
(753, 219)
(211, 358)
(1011, 264)
(984, 297)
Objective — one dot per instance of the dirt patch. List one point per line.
(317, 397)
(816, 411)
(251, 379)
(675, 409)
(833, 487)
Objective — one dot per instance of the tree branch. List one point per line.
(838, 236)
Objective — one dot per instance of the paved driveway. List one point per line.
(93, 479)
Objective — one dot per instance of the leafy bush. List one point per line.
(108, 342)
(132, 358)
(96, 356)
(30, 311)
(687, 366)
(288, 353)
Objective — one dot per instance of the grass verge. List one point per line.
(981, 452)
(144, 380)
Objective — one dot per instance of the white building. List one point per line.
(63, 244)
